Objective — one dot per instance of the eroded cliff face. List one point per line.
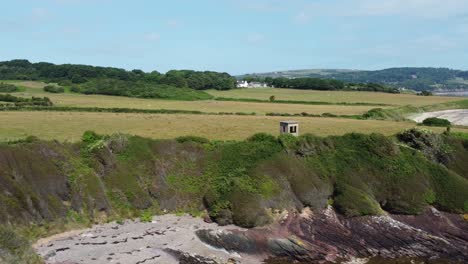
(245, 183)
(318, 237)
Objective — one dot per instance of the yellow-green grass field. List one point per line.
(69, 126)
(334, 96)
(80, 100)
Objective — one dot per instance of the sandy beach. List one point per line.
(456, 117)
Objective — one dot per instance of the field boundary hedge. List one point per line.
(253, 100)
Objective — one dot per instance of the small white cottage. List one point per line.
(289, 127)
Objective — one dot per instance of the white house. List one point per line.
(242, 84)
(246, 84)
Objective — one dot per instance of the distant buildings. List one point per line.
(246, 84)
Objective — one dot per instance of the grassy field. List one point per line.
(70, 126)
(81, 100)
(334, 96)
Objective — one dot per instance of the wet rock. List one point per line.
(230, 241)
(187, 258)
(326, 236)
(286, 247)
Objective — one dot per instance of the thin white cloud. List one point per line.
(152, 36)
(302, 18)
(424, 45)
(264, 5)
(40, 13)
(174, 23)
(72, 30)
(436, 43)
(255, 38)
(65, 2)
(410, 8)
(462, 29)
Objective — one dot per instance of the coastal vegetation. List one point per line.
(105, 178)
(434, 121)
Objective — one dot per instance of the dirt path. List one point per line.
(457, 117)
(166, 239)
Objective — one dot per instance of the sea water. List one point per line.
(464, 93)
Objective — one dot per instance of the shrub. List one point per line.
(90, 137)
(8, 88)
(352, 201)
(432, 145)
(434, 121)
(375, 113)
(146, 216)
(31, 139)
(288, 141)
(20, 101)
(259, 137)
(75, 89)
(328, 115)
(272, 98)
(194, 139)
(64, 83)
(53, 89)
(425, 93)
(15, 248)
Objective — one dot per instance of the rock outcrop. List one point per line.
(326, 236)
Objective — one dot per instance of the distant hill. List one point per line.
(410, 78)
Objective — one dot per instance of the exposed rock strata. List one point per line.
(326, 236)
(309, 237)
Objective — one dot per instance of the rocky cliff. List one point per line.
(48, 186)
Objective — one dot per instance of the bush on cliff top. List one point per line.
(434, 121)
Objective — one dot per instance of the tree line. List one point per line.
(137, 83)
(21, 101)
(321, 84)
(68, 74)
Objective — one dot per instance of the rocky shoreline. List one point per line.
(307, 237)
(167, 239)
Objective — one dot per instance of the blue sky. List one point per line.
(238, 36)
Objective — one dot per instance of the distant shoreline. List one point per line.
(452, 93)
(456, 116)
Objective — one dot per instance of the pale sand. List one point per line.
(457, 117)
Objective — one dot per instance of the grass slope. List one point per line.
(71, 125)
(334, 96)
(81, 100)
(47, 187)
